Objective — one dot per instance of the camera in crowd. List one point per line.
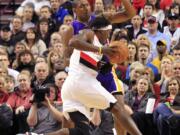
(40, 92)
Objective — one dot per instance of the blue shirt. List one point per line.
(60, 14)
(78, 26)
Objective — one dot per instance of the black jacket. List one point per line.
(131, 32)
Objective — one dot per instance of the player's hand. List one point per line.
(109, 51)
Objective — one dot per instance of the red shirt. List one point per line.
(15, 99)
(139, 3)
(3, 97)
(164, 4)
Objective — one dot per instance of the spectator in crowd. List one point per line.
(137, 99)
(58, 12)
(25, 61)
(5, 61)
(45, 116)
(17, 33)
(147, 12)
(136, 28)
(36, 3)
(68, 19)
(27, 17)
(3, 91)
(157, 12)
(60, 77)
(176, 68)
(142, 39)
(172, 29)
(98, 7)
(44, 31)
(154, 35)
(42, 75)
(175, 9)
(122, 69)
(19, 47)
(60, 65)
(161, 48)
(166, 115)
(120, 35)
(132, 46)
(55, 38)
(59, 48)
(166, 72)
(19, 102)
(3, 70)
(52, 58)
(176, 52)
(45, 12)
(143, 53)
(34, 43)
(110, 8)
(10, 83)
(5, 39)
(136, 70)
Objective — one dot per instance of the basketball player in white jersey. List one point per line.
(82, 91)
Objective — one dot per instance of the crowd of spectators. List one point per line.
(32, 53)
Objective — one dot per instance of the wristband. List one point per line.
(100, 50)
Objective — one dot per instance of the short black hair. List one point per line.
(148, 4)
(99, 22)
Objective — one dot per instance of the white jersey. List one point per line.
(81, 90)
(84, 62)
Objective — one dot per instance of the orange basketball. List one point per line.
(122, 53)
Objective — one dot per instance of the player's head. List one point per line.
(82, 10)
(102, 28)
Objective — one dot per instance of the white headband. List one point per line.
(109, 27)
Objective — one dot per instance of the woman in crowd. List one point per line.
(121, 69)
(137, 99)
(166, 72)
(33, 43)
(25, 61)
(132, 46)
(53, 57)
(143, 39)
(44, 31)
(167, 113)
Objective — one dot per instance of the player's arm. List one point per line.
(84, 40)
(120, 17)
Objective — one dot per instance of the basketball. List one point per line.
(122, 53)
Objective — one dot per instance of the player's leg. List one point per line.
(122, 117)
